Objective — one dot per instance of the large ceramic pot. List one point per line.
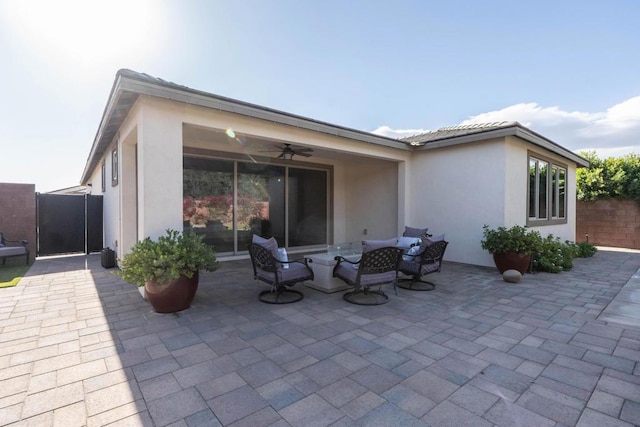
(175, 295)
(512, 261)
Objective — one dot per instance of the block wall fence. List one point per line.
(609, 223)
(18, 215)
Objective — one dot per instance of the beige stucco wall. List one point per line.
(154, 135)
(110, 199)
(455, 191)
(463, 187)
(371, 194)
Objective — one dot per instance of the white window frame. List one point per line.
(555, 204)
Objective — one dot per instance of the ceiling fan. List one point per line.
(287, 151)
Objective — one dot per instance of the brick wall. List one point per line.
(18, 215)
(609, 223)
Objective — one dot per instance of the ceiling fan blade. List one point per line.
(302, 154)
(303, 150)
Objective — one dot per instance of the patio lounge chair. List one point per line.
(13, 248)
(279, 274)
(427, 260)
(376, 267)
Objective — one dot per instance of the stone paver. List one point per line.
(80, 347)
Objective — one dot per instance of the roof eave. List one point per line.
(129, 81)
(114, 96)
(515, 130)
(203, 99)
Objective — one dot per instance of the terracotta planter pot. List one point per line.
(512, 261)
(176, 295)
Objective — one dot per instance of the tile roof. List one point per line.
(454, 131)
(463, 134)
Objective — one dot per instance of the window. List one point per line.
(547, 201)
(114, 167)
(104, 175)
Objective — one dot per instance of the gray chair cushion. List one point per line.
(350, 274)
(414, 232)
(12, 251)
(297, 271)
(372, 245)
(412, 267)
(269, 244)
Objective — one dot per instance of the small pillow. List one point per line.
(282, 256)
(414, 232)
(436, 238)
(410, 256)
(408, 242)
(269, 244)
(372, 245)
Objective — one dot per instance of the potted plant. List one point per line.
(512, 248)
(168, 268)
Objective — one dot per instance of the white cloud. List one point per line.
(399, 133)
(616, 130)
(611, 133)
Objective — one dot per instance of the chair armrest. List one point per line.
(341, 259)
(303, 260)
(21, 242)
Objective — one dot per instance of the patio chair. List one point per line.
(427, 260)
(280, 274)
(376, 267)
(13, 248)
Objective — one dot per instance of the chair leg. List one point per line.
(366, 296)
(415, 284)
(280, 296)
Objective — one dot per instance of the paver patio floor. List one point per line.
(80, 347)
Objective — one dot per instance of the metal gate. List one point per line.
(68, 224)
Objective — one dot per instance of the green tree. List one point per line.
(617, 178)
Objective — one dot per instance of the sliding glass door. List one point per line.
(228, 201)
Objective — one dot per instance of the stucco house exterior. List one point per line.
(168, 156)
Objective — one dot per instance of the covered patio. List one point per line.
(80, 347)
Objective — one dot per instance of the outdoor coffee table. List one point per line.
(322, 266)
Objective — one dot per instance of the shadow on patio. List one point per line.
(80, 347)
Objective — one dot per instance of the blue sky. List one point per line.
(567, 69)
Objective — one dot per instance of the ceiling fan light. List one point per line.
(287, 155)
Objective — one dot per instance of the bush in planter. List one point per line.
(512, 248)
(172, 256)
(516, 239)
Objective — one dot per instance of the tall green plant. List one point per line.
(169, 257)
(617, 178)
(515, 239)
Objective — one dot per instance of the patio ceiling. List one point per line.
(255, 145)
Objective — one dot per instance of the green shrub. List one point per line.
(617, 178)
(585, 250)
(171, 256)
(556, 256)
(551, 257)
(515, 239)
